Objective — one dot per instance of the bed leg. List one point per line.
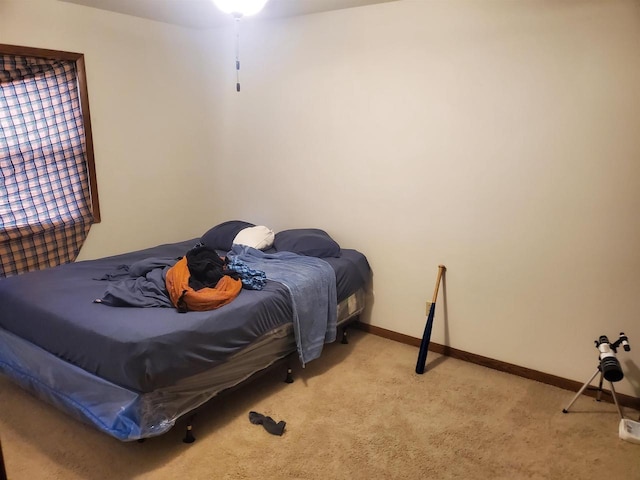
(289, 378)
(344, 335)
(3, 472)
(188, 437)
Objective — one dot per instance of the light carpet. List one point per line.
(359, 412)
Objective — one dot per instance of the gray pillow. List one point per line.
(312, 242)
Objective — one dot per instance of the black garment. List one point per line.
(268, 423)
(206, 268)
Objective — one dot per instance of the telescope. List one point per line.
(608, 366)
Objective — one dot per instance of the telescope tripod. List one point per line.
(584, 387)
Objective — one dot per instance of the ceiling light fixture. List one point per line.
(239, 9)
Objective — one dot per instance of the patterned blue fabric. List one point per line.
(45, 202)
(251, 278)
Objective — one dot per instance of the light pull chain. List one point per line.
(237, 19)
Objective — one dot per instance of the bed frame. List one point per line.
(284, 363)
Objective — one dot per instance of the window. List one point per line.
(48, 188)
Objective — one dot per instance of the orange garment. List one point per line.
(185, 298)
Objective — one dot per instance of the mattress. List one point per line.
(146, 349)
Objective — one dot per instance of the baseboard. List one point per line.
(564, 383)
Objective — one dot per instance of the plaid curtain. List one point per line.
(45, 200)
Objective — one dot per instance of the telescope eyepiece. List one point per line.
(625, 342)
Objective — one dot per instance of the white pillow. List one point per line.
(259, 237)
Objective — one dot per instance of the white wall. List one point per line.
(145, 96)
(496, 137)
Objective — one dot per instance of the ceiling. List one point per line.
(203, 14)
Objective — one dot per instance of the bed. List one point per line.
(131, 372)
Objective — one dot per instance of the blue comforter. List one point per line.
(311, 283)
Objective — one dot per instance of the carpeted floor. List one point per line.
(359, 412)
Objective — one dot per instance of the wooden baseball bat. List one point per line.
(426, 336)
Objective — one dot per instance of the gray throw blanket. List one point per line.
(142, 284)
(312, 285)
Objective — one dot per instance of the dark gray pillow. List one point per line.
(221, 236)
(312, 242)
